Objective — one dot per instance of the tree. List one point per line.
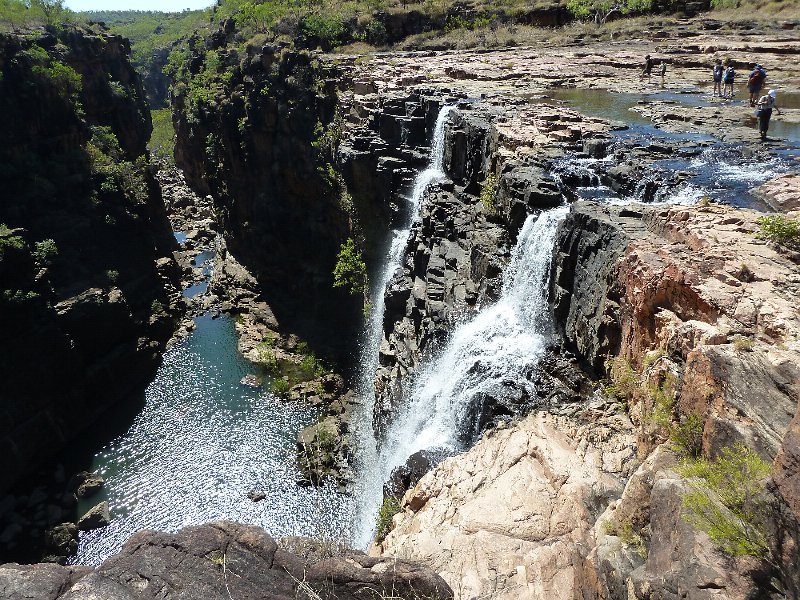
(13, 13)
(52, 10)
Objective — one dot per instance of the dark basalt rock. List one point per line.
(583, 291)
(86, 324)
(85, 484)
(406, 476)
(96, 517)
(217, 560)
(62, 540)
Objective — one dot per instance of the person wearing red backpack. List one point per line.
(756, 82)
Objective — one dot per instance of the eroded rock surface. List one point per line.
(512, 518)
(220, 560)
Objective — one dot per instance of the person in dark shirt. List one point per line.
(727, 80)
(648, 66)
(717, 72)
(755, 82)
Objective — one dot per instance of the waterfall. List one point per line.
(369, 489)
(498, 347)
(374, 332)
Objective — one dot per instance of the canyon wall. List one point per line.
(89, 292)
(258, 137)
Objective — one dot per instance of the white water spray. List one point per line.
(370, 493)
(485, 356)
(433, 173)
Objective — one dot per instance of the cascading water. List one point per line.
(500, 345)
(370, 493)
(434, 172)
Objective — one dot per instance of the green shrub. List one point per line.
(375, 33)
(8, 241)
(389, 508)
(18, 297)
(627, 535)
(211, 81)
(328, 29)
(45, 251)
(114, 173)
(280, 386)
(312, 367)
(325, 440)
(259, 17)
(779, 229)
(663, 400)
(267, 357)
(350, 271)
(726, 499)
(162, 140)
(600, 8)
(63, 78)
(112, 276)
(742, 344)
(624, 380)
(686, 436)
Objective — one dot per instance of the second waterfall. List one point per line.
(369, 490)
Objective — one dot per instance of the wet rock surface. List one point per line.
(217, 560)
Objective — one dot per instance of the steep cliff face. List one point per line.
(691, 300)
(255, 129)
(461, 242)
(88, 292)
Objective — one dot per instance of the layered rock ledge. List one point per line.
(222, 560)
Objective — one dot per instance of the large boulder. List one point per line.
(221, 560)
(512, 517)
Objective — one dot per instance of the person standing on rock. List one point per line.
(717, 73)
(756, 82)
(648, 67)
(765, 105)
(727, 80)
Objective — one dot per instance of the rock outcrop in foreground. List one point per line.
(220, 560)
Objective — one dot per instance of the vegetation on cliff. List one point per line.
(727, 499)
(82, 230)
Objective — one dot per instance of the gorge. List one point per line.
(563, 319)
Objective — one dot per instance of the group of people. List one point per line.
(649, 63)
(723, 79)
(724, 75)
